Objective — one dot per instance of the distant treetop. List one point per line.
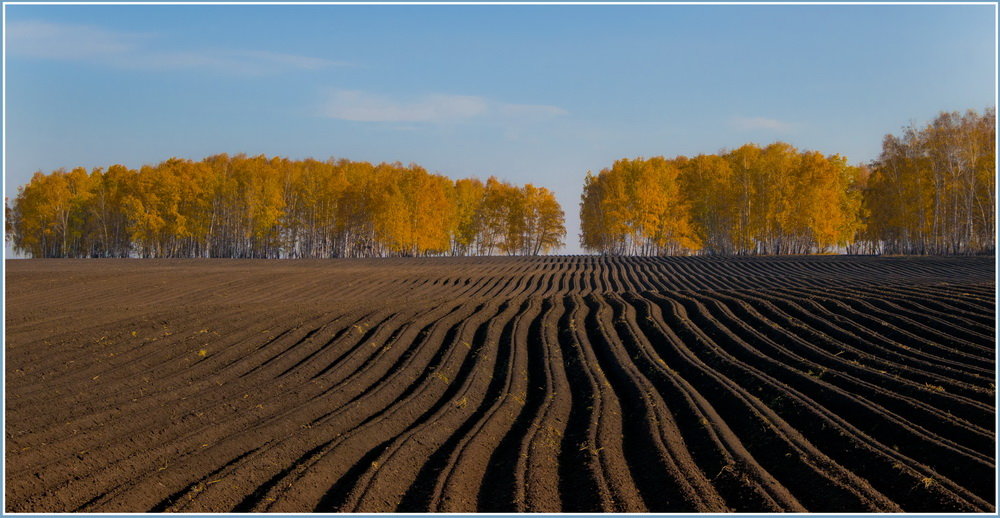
(932, 191)
(259, 207)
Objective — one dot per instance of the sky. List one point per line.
(530, 94)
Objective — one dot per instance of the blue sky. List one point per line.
(538, 94)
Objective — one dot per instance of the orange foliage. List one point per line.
(265, 207)
(770, 200)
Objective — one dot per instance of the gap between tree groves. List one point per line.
(931, 191)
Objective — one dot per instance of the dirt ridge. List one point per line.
(626, 384)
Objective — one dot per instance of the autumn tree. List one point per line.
(751, 200)
(933, 189)
(260, 207)
(50, 215)
(466, 223)
(544, 221)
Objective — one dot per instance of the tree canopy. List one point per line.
(770, 200)
(932, 191)
(260, 207)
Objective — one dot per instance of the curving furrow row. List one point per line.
(846, 408)
(504, 384)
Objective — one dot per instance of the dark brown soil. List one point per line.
(825, 384)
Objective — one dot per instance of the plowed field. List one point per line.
(501, 384)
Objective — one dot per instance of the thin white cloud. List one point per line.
(760, 123)
(230, 61)
(289, 60)
(531, 110)
(57, 41)
(62, 41)
(354, 105)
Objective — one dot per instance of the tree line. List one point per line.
(931, 191)
(770, 200)
(259, 207)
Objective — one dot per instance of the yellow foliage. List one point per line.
(240, 206)
(933, 189)
(769, 200)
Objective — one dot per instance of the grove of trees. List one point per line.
(770, 200)
(932, 191)
(259, 207)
